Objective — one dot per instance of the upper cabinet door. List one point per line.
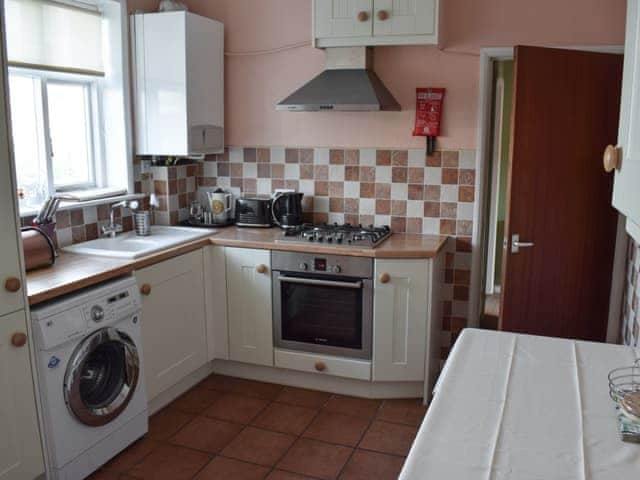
(343, 18)
(404, 17)
(626, 195)
(360, 23)
(11, 294)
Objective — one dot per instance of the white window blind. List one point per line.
(55, 36)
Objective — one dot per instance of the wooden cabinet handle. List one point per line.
(384, 278)
(383, 15)
(261, 268)
(12, 284)
(145, 289)
(19, 339)
(321, 366)
(612, 158)
(363, 16)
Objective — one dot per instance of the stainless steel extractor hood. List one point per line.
(348, 83)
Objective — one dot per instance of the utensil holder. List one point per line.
(142, 223)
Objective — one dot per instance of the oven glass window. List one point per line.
(322, 315)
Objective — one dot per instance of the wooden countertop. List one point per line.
(73, 272)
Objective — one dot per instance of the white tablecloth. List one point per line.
(522, 407)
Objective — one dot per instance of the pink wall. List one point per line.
(255, 83)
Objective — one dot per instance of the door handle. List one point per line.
(516, 244)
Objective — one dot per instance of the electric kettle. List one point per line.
(286, 209)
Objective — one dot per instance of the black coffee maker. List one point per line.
(286, 209)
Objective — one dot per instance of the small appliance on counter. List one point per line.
(39, 249)
(253, 211)
(286, 209)
(219, 212)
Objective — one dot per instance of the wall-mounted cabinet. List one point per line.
(348, 23)
(179, 84)
(626, 157)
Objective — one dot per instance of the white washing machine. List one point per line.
(89, 361)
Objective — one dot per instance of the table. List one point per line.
(523, 407)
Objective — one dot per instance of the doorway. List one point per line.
(495, 210)
(497, 78)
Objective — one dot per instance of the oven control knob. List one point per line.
(303, 266)
(97, 313)
(336, 269)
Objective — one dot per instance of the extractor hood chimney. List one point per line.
(348, 83)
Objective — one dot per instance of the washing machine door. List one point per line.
(101, 377)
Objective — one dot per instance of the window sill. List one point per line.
(67, 205)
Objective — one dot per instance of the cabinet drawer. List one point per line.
(336, 366)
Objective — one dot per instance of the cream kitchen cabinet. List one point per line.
(174, 336)
(179, 83)
(349, 23)
(11, 292)
(20, 448)
(249, 305)
(406, 319)
(215, 280)
(21, 454)
(625, 158)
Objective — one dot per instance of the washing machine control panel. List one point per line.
(108, 309)
(76, 316)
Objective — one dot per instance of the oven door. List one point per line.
(322, 314)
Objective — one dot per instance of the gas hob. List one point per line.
(338, 235)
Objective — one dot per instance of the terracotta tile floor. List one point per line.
(228, 428)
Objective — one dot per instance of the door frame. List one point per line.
(483, 160)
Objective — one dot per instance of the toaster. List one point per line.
(253, 212)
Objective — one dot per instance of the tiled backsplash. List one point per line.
(82, 224)
(401, 188)
(631, 305)
(175, 187)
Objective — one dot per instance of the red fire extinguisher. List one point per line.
(428, 115)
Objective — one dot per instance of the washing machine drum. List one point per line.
(101, 377)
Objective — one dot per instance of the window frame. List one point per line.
(92, 88)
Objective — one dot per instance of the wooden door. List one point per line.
(174, 340)
(249, 305)
(400, 319)
(342, 18)
(404, 17)
(626, 194)
(20, 447)
(565, 111)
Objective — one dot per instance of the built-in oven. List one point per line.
(323, 303)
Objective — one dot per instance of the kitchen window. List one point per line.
(68, 80)
(53, 120)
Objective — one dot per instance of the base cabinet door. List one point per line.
(249, 305)
(400, 310)
(20, 448)
(174, 337)
(215, 282)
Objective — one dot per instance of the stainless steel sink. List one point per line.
(128, 245)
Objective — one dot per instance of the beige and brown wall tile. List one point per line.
(630, 331)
